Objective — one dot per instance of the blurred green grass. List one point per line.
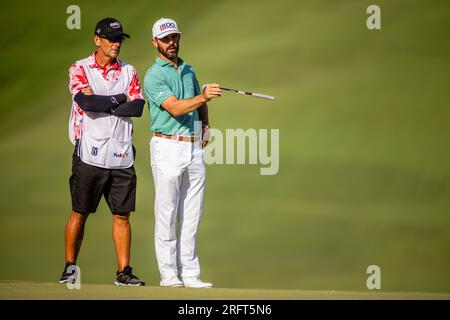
(364, 123)
(25, 290)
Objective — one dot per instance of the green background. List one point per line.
(364, 123)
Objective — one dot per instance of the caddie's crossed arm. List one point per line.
(121, 105)
(135, 100)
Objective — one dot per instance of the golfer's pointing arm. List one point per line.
(178, 107)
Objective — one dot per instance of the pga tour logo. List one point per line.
(94, 151)
(167, 25)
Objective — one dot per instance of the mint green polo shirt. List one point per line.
(161, 81)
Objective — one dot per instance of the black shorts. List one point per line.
(88, 183)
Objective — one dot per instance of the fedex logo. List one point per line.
(120, 155)
(167, 25)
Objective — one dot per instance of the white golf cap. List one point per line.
(164, 27)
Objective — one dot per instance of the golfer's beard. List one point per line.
(171, 56)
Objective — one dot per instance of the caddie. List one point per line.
(105, 95)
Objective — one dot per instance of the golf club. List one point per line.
(254, 94)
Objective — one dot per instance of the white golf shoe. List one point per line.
(194, 282)
(171, 282)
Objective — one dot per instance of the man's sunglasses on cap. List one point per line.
(114, 39)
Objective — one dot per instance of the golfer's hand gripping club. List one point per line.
(211, 91)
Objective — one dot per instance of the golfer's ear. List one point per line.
(155, 43)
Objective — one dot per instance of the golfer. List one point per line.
(105, 94)
(179, 117)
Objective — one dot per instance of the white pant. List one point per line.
(179, 177)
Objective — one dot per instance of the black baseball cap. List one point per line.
(109, 28)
